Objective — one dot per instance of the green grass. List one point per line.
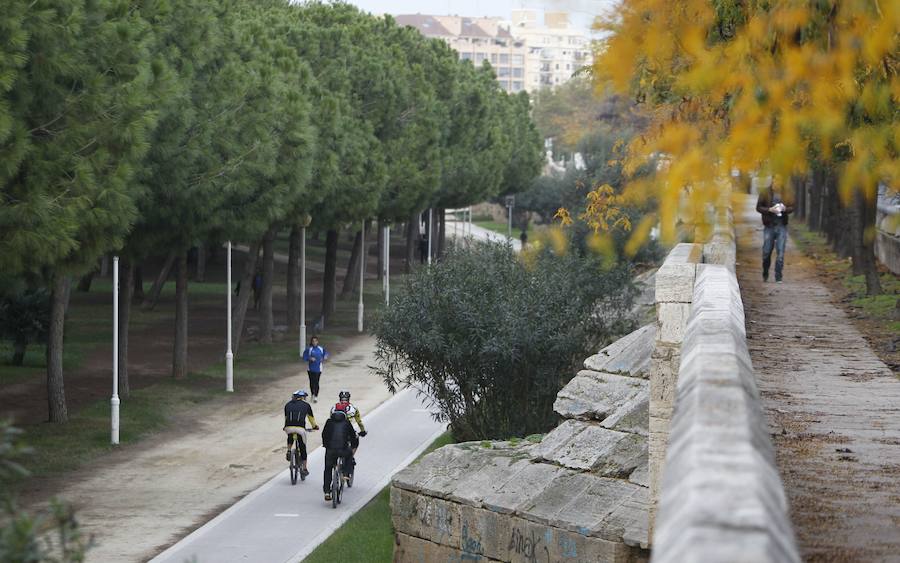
(368, 535)
(502, 228)
(879, 307)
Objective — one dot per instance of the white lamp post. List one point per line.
(306, 221)
(229, 355)
(362, 277)
(114, 402)
(429, 236)
(386, 272)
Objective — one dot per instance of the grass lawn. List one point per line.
(368, 536)
(501, 228)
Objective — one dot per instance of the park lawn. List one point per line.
(502, 228)
(368, 536)
(57, 449)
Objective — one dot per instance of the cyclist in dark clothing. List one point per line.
(340, 441)
(296, 412)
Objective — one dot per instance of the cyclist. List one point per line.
(296, 412)
(352, 412)
(340, 441)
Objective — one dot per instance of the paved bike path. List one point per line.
(284, 522)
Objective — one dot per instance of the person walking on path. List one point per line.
(315, 355)
(340, 440)
(774, 207)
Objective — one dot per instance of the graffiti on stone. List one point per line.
(530, 547)
(471, 546)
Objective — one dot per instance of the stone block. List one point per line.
(526, 483)
(641, 474)
(592, 395)
(588, 446)
(672, 318)
(410, 549)
(631, 416)
(629, 355)
(472, 488)
(425, 517)
(675, 282)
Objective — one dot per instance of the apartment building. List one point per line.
(556, 49)
(477, 40)
(527, 53)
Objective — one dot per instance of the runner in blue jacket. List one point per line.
(315, 355)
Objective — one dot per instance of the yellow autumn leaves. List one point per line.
(767, 89)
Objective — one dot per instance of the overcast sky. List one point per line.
(582, 11)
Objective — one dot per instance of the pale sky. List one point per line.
(581, 12)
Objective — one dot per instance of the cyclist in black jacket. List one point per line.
(340, 440)
(296, 413)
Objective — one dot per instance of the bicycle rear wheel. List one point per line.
(295, 466)
(335, 484)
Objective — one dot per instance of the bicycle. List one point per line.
(296, 466)
(337, 482)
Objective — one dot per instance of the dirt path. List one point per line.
(142, 498)
(832, 405)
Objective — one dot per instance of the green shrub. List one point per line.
(491, 339)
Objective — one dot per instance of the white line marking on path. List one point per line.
(287, 516)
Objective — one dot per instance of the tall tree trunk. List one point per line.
(20, 343)
(56, 393)
(200, 273)
(179, 356)
(293, 279)
(84, 284)
(266, 319)
(381, 243)
(329, 285)
(125, 298)
(412, 240)
(104, 266)
(351, 279)
(243, 300)
(153, 297)
(813, 218)
(867, 208)
(138, 293)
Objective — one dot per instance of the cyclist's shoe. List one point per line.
(287, 456)
(304, 472)
(315, 398)
(327, 497)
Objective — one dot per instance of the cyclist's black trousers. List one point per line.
(301, 445)
(331, 457)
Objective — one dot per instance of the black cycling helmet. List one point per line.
(344, 395)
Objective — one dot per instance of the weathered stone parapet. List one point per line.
(721, 497)
(577, 494)
(674, 293)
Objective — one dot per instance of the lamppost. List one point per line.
(510, 201)
(429, 236)
(307, 219)
(114, 402)
(229, 355)
(362, 277)
(386, 270)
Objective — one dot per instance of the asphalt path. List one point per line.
(284, 522)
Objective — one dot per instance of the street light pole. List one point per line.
(429, 236)
(362, 277)
(302, 289)
(386, 273)
(114, 402)
(229, 355)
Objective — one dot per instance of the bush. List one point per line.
(24, 318)
(491, 340)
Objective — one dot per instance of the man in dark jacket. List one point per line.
(296, 412)
(340, 441)
(774, 206)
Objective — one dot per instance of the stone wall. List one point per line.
(577, 494)
(721, 498)
(887, 236)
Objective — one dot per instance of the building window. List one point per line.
(568, 66)
(480, 57)
(503, 71)
(493, 58)
(517, 72)
(557, 66)
(518, 59)
(504, 59)
(516, 85)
